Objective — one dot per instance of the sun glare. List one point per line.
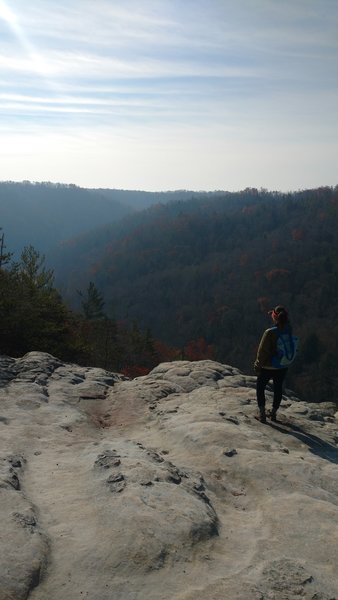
(39, 64)
(6, 14)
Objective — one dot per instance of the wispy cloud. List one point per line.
(249, 72)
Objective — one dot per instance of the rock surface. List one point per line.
(162, 488)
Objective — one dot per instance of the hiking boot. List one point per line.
(261, 416)
(273, 416)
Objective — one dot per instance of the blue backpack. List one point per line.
(287, 348)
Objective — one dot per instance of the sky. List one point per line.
(170, 94)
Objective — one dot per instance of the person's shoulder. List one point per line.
(271, 331)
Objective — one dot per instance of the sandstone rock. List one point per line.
(163, 487)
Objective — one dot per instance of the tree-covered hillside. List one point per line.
(46, 214)
(207, 270)
(34, 317)
(139, 200)
(43, 214)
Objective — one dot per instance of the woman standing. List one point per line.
(268, 364)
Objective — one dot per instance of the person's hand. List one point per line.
(257, 369)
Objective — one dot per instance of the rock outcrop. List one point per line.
(163, 487)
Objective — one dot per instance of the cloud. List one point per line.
(150, 76)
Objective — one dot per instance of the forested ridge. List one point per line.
(203, 273)
(188, 279)
(44, 214)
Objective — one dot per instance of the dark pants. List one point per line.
(264, 376)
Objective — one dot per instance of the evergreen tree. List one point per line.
(92, 303)
(32, 313)
(32, 270)
(4, 256)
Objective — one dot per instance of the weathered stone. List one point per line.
(92, 508)
(116, 483)
(108, 459)
(232, 419)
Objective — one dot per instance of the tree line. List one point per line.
(33, 316)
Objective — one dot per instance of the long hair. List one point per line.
(281, 316)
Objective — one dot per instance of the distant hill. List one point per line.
(45, 214)
(139, 200)
(207, 270)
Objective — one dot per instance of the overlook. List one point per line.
(168, 192)
(164, 486)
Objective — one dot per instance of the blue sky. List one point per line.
(170, 94)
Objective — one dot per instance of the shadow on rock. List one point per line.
(315, 444)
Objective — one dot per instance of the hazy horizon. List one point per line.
(164, 191)
(163, 95)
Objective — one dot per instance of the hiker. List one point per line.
(270, 364)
